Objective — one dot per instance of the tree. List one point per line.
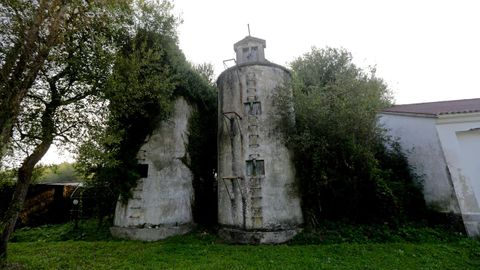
(61, 99)
(28, 33)
(34, 29)
(339, 149)
(207, 71)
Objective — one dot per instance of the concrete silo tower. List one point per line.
(257, 196)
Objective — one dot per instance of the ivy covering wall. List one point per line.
(149, 73)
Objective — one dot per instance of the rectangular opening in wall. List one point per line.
(253, 108)
(253, 140)
(253, 54)
(251, 83)
(142, 170)
(255, 167)
(251, 90)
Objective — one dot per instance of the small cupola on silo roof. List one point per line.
(250, 49)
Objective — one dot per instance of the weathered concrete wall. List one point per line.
(256, 178)
(250, 49)
(164, 198)
(419, 139)
(460, 139)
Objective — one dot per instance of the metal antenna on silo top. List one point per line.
(248, 25)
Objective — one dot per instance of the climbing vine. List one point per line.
(202, 147)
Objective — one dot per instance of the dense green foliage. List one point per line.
(150, 72)
(140, 93)
(44, 249)
(347, 167)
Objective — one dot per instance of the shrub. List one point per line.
(347, 167)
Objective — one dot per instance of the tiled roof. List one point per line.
(438, 108)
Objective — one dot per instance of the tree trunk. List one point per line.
(25, 177)
(18, 198)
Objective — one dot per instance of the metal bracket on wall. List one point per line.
(231, 179)
(228, 60)
(254, 156)
(236, 118)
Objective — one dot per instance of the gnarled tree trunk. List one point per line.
(8, 221)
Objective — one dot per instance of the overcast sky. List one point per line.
(425, 50)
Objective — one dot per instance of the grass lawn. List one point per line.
(205, 251)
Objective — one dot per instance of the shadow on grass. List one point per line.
(341, 232)
(326, 233)
(88, 230)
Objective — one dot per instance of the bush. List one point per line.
(347, 167)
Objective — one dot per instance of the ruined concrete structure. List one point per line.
(161, 205)
(257, 196)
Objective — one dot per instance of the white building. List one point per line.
(442, 142)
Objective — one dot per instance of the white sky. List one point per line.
(425, 50)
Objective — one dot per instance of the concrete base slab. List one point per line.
(149, 234)
(472, 228)
(257, 237)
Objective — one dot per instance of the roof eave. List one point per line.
(412, 114)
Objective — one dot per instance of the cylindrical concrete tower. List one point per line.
(257, 195)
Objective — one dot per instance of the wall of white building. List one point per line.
(460, 139)
(418, 138)
(445, 150)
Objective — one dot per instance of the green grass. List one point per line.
(88, 230)
(335, 232)
(201, 250)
